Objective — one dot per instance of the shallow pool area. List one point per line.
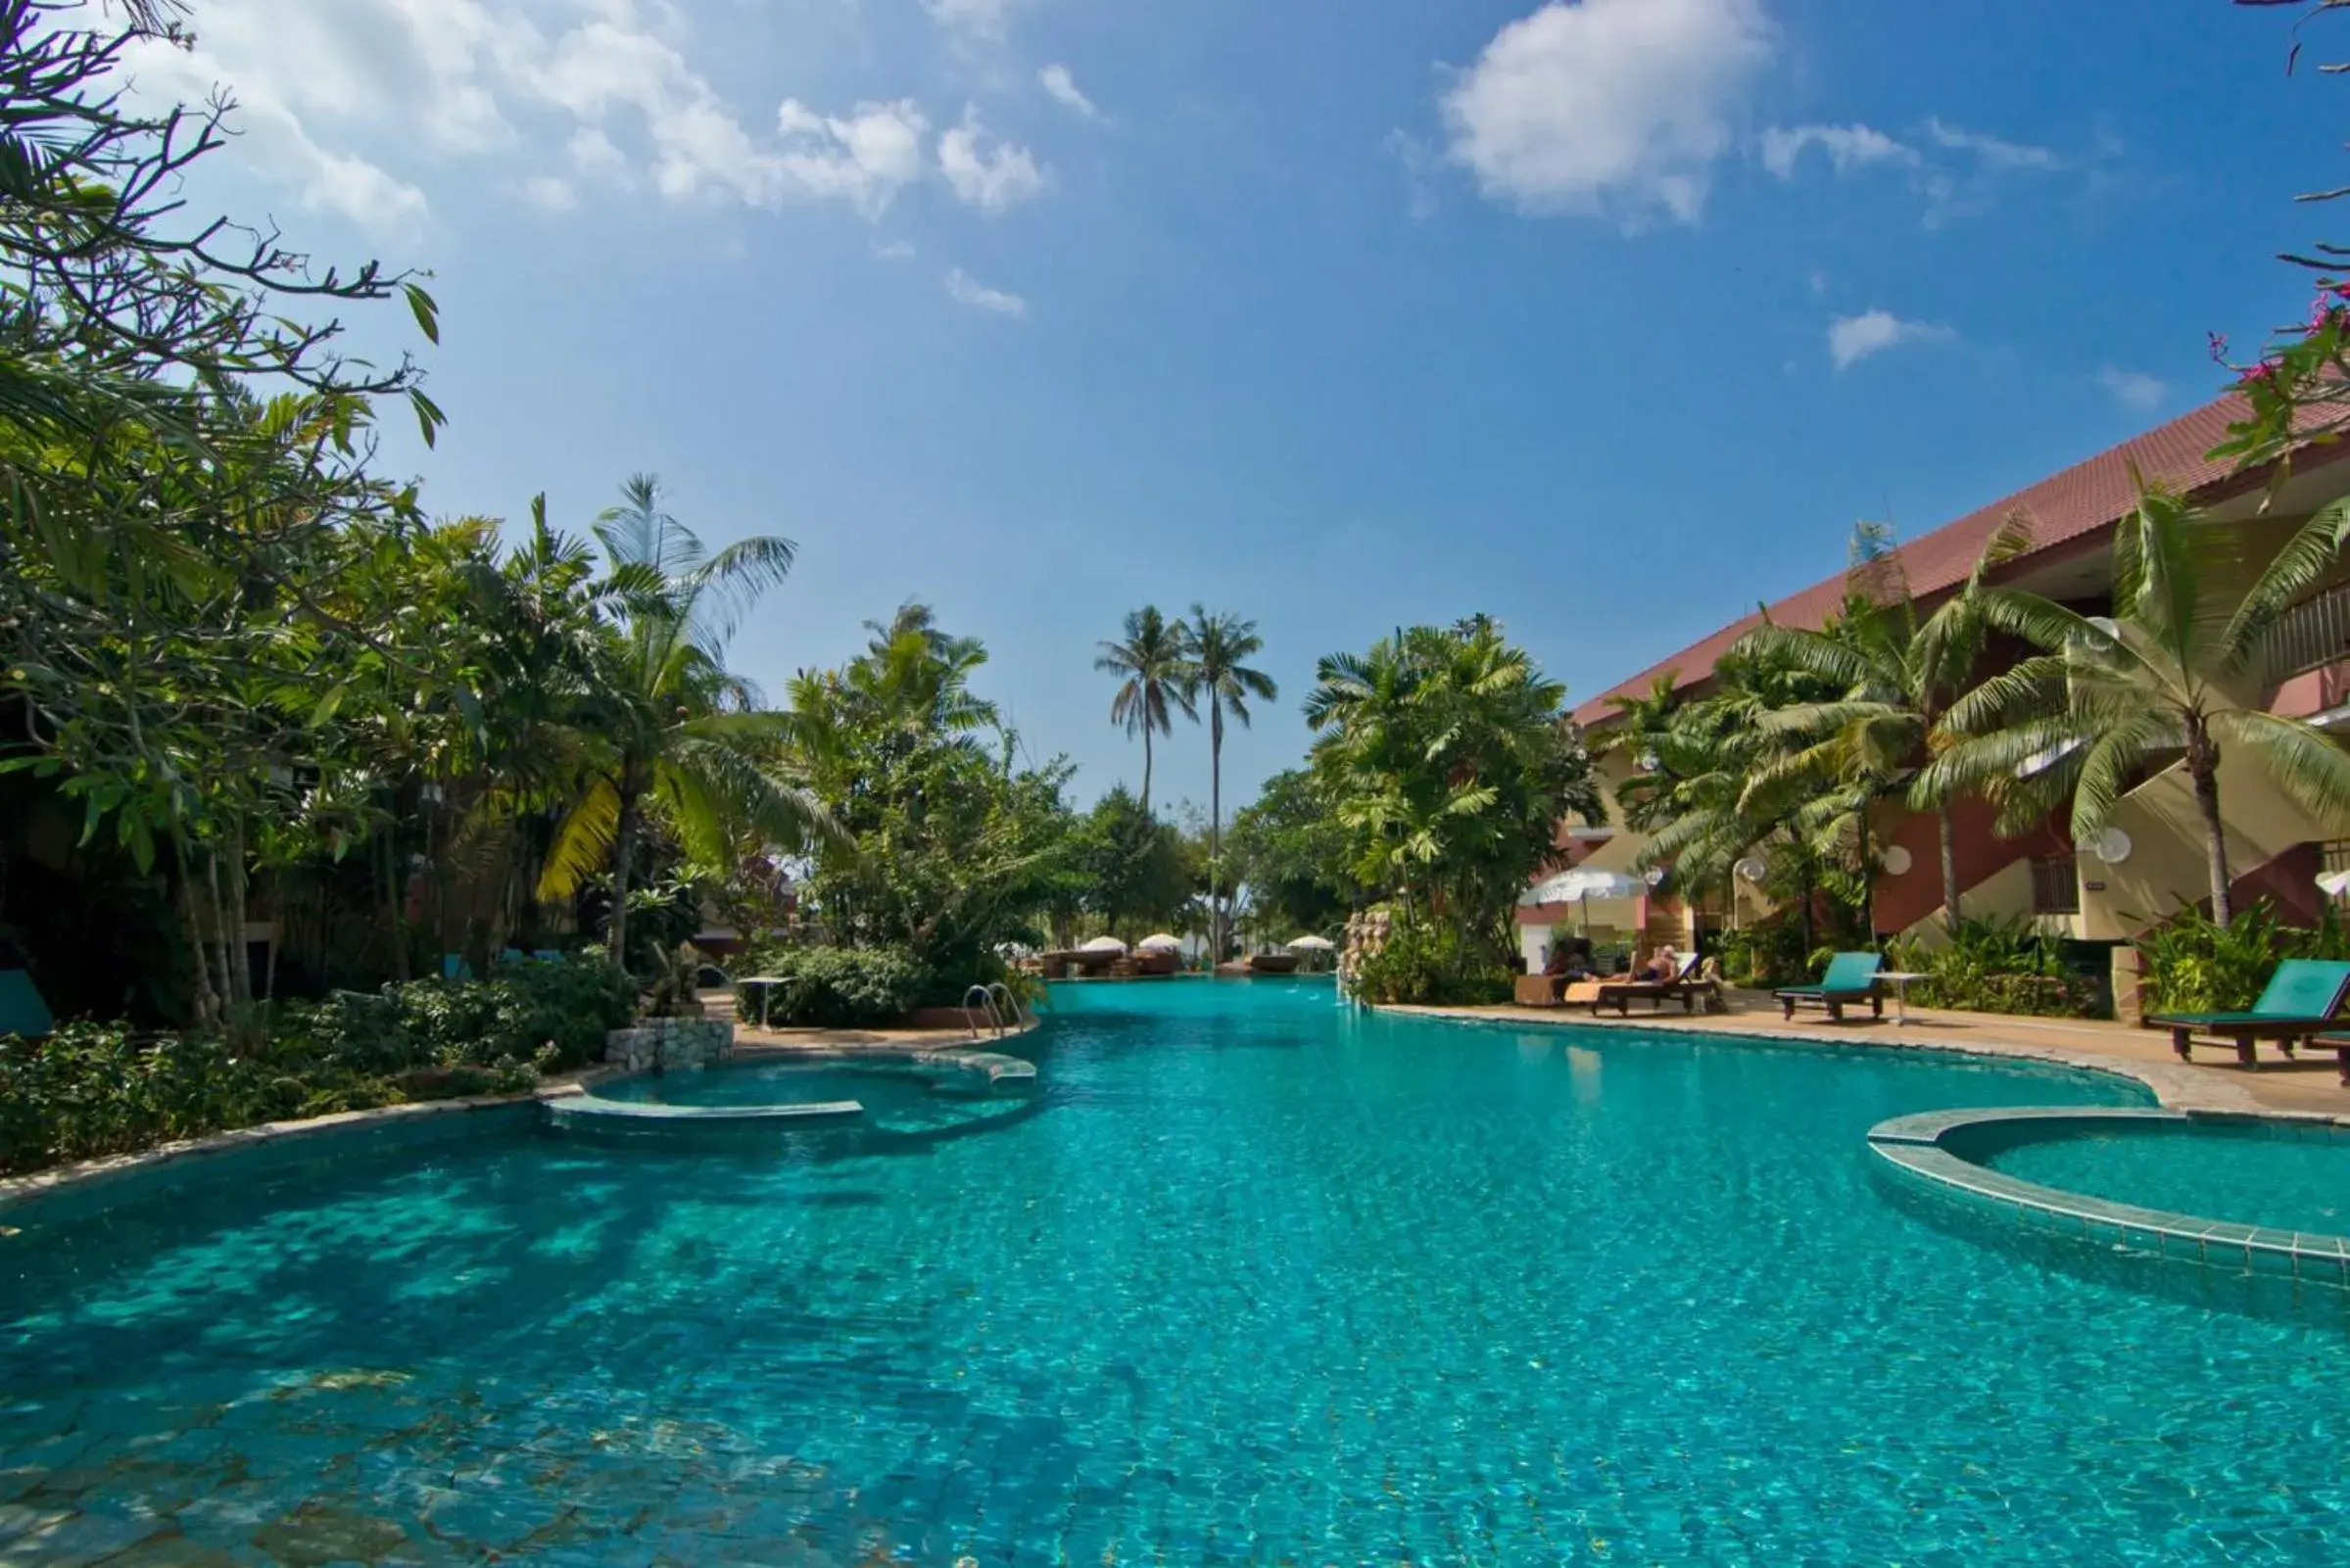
(1253, 1280)
(2270, 1174)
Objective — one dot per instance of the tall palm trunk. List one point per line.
(1215, 829)
(624, 854)
(2203, 767)
(1146, 773)
(1947, 832)
(1868, 882)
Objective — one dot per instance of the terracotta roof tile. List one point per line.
(2082, 499)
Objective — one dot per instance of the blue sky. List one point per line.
(1608, 319)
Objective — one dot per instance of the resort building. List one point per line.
(2144, 869)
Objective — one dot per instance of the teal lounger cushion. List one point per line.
(2302, 988)
(1847, 972)
(21, 1009)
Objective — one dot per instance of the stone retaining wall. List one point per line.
(670, 1045)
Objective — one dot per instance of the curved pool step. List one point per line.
(588, 1112)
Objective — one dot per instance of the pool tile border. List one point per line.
(1918, 1146)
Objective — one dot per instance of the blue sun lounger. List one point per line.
(21, 1009)
(2298, 1002)
(1851, 977)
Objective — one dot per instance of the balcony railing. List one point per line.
(2310, 635)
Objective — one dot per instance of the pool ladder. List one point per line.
(999, 1019)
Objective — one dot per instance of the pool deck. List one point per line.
(2212, 1081)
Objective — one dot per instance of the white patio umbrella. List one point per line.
(1317, 944)
(1159, 943)
(1581, 886)
(1103, 945)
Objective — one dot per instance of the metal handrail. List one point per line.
(1011, 1008)
(986, 1005)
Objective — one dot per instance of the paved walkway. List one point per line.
(2212, 1081)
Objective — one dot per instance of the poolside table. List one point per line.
(1900, 981)
(766, 984)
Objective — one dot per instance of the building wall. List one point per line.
(2166, 869)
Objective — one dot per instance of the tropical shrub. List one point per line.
(94, 1089)
(1995, 964)
(1771, 952)
(2192, 964)
(1431, 965)
(837, 987)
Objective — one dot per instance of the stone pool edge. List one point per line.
(2178, 1088)
(85, 1174)
(1917, 1145)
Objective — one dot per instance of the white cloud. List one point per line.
(2134, 390)
(1609, 106)
(1819, 283)
(866, 158)
(970, 291)
(894, 251)
(1848, 147)
(1854, 338)
(548, 193)
(1062, 88)
(1998, 155)
(275, 143)
(602, 82)
(992, 180)
(977, 19)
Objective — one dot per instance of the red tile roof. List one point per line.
(2080, 501)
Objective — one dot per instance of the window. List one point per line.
(2055, 885)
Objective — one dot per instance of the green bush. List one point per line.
(1998, 965)
(2190, 965)
(835, 987)
(94, 1089)
(1771, 952)
(1432, 966)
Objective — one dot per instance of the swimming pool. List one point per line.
(1260, 1283)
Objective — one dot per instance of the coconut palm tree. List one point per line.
(2176, 673)
(666, 731)
(1154, 666)
(1215, 647)
(1898, 674)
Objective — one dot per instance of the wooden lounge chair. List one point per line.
(2298, 1002)
(1851, 977)
(1684, 986)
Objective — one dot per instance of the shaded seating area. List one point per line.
(1852, 977)
(2294, 1008)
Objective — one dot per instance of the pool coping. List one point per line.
(1917, 1144)
(2176, 1088)
(107, 1168)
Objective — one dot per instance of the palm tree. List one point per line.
(1215, 647)
(1899, 674)
(666, 731)
(2177, 672)
(1154, 664)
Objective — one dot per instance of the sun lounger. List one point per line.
(23, 1013)
(1851, 977)
(1684, 987)
(2298, 1002)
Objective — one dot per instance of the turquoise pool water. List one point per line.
(1257, 1285)
(2244, 1176)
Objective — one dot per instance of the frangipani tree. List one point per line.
(2177, 672)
